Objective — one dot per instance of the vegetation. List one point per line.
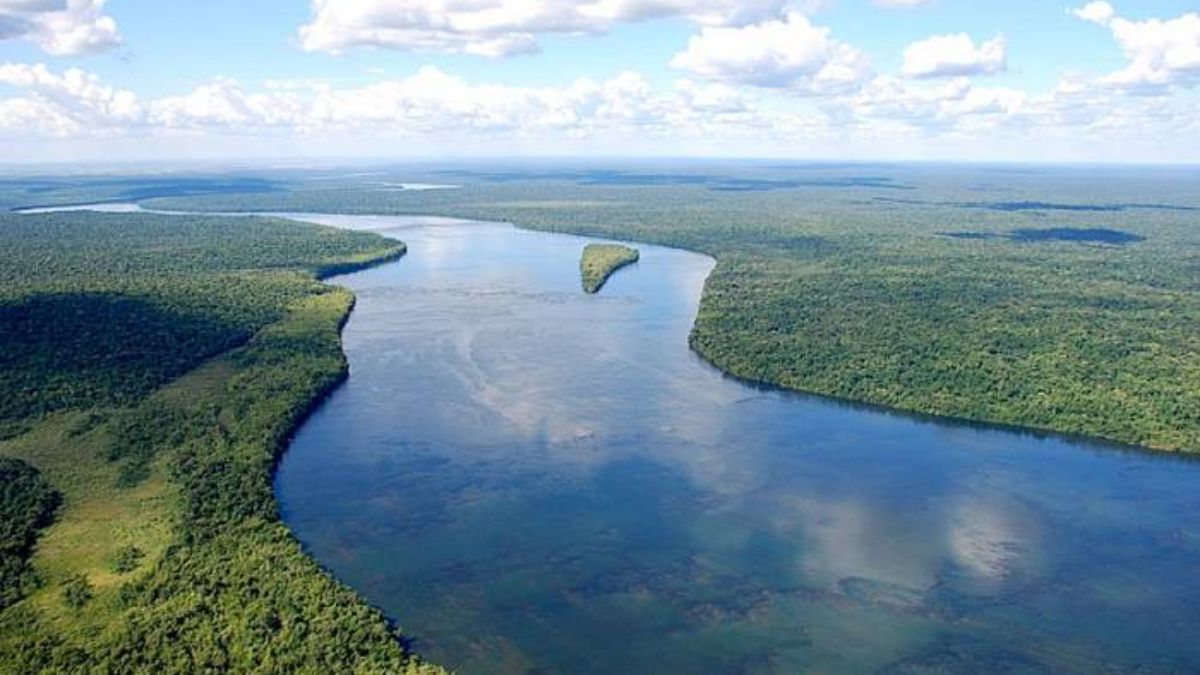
(76, 592)
(127, 559)
(27, 504)
(600, 261)
(168, 292)
(206, 341)
(1071, 305)
(154, 366)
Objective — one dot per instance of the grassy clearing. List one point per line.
(96, 518)
(167, 554)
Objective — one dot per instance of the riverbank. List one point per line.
(168, 553)
(869, 294)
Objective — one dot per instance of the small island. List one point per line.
(599, 261)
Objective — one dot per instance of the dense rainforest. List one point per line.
(154, 365)
(153, 369)
(1052, 298)
(599, 261)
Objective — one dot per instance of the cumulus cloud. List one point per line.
(499, 28)
(73, 101)
(952, 106)
(787, 53)
(436, 110)
(955, 56)
(1161, 52)
(59, 27)
(430, 102)
(1097, 12)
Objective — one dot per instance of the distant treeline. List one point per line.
(849, 291)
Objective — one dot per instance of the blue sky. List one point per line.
(893, 79)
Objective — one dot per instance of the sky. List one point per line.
(957, 80)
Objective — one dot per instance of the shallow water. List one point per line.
(530, 479)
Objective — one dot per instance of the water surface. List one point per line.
(529, 479)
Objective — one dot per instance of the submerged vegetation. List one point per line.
(154, 367)
(600, 261)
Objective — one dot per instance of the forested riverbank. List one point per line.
(1056, 299)
(153, 371)
(159, 363)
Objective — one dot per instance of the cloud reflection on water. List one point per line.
(514, 460)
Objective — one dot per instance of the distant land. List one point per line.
(600, 261)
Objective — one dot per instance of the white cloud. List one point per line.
(59, 27)
(432, 111)
(955, 56)
(499, 28)
(1099, 12)
(1161, 52)
(429, 103)
(953, 106)
(789, 53)
(70, 102)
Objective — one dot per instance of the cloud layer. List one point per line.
(755, 77)
(59, 27)
(626, 112)
(499, 28)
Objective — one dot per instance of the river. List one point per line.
(529, 479)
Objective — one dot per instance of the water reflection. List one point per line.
(530, 479)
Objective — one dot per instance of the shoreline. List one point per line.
(1068, 435)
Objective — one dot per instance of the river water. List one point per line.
(529, 479)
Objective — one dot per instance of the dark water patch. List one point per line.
(907, 202)
(1052, 206)
(1040, 206)
(1090, 235)
(971, 235)
(875, 182)
(1019, 206)
(1082, 235)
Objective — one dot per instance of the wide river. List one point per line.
(529, 479)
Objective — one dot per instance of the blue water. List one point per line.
(529, 479)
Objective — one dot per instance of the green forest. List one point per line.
(155, 365)
(27, 504)
(983, 293)
(153, 369)
(600, 261)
